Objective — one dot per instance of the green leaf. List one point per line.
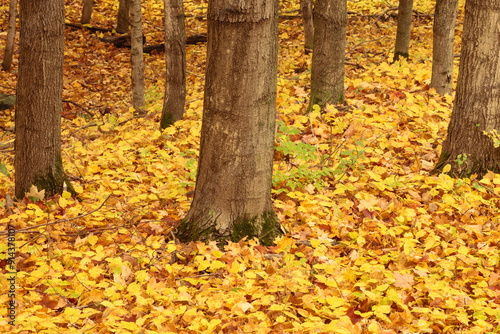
(3, 169)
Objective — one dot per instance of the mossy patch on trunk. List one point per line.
(51, 181)
(265, 227)
(166, 121)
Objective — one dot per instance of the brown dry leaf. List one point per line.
(35, 193)
(494, 279)
(415, 195)
(427, 165)
(351, 131)
(299, 91)
(403, 280)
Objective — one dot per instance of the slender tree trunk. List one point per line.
(175, 60)
(11, 36)
(307, 21)
(477, 104)
(232, 198)
(137, 57)
(87, 11)
(327, 72)
(403, 33)
(445, 17)
(39, 95)
(123, 22)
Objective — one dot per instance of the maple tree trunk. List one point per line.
(476, 108)
(445, 17)
(175, 60)
(123, 21)
(403, 33)
(307, 21)
(327, 71)
(11, 36)
(233, 190)
(39, 95)
(87, 11)
(137, 57)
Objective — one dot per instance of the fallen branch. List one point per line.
(91, 28)
(79, 106)
(123, 41)
(190, 40)
(63, 220)
(354, 64)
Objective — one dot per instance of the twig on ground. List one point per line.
(63, 220)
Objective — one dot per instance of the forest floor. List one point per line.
(375, 244)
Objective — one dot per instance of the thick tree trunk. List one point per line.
(175, 60)
(403, 33)
(327, 72)
(87, 11)
(39, 95)
(232, 198)
(137, 57)
(307, 21)
(11, 36)
(445, 17)
(477, 104)
(123, 21)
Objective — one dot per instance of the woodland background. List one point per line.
(374, 245)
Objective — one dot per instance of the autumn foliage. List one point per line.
(375, 244)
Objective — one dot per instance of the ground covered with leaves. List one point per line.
(375, 244)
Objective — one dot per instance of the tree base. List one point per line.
(51, 182)
(399, 55)
(465, 169)
(166, 121)
(265, 227)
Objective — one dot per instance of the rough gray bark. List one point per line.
(327, 71)
(87, 11)
(306, 8)
(477, 103)
(123, 19)
(11, 36)
(403, 33)
(39, 95)
(137, 57)
(175, 61)
(445, 17)
(232, 198)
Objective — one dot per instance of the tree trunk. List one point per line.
(327, 71)
(445, 17)
(232, 198)
(137, 58)
(307, 22)
(11, 36)
(122, 23)
(477, 104)
(39, 98)
(403, 33)
(175, 60)
(87, 11)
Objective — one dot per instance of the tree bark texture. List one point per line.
(11, 36)
(123, 19)
(327, 71)
(175, 61)
(233, 191)
(137, 57)
(445, 17)
(403, 33)
(477, 103)
(39, 95)
(306, 8)
(87, 11)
